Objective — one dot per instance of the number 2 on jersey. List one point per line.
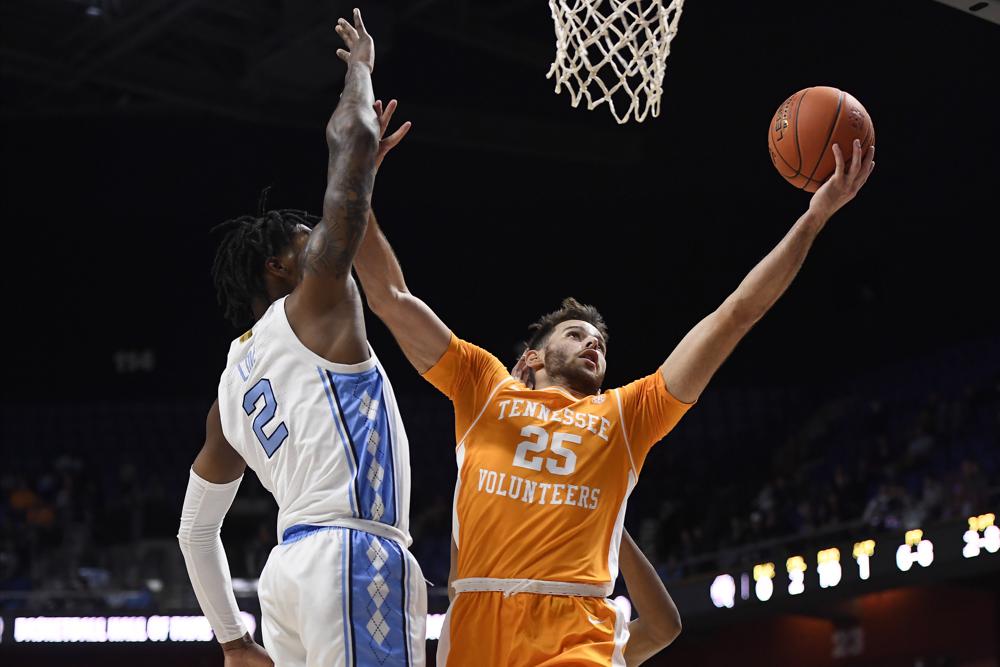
(540, 444)
(262, 389)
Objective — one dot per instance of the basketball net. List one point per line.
(608, 50)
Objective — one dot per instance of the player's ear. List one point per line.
(275, 267)
(535, 359)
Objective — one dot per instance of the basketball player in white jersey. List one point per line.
(305, 403)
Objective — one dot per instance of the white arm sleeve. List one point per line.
(205, 506)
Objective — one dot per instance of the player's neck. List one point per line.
(274, 290)
(544, 381)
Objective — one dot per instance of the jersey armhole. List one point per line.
(621, 420)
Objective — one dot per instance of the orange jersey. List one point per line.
(543, 476)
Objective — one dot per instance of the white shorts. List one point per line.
(337, 596)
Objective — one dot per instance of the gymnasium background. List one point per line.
(830, 501)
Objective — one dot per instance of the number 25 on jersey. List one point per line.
(538, 441)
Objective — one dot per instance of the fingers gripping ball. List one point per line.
(806, 126)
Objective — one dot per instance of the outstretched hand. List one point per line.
(360, 45)
(845, 182)
(386, 144)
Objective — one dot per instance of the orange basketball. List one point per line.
(806, 126)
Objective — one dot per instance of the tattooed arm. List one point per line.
(325, 309)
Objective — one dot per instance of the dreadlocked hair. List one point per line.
(570, 309)
(247, 243)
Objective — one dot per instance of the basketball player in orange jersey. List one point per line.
(544, 473)
(659, 622)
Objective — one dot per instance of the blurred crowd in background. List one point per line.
(91, 491)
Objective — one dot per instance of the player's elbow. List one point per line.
(194, 537)
(738, 314)
(665, 632)
(675, 629)
(385, 301)
(355, 129)
(378, 299)
(184, 539)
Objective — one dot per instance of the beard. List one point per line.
(568, 370)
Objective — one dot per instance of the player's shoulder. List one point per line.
(241, 340)
(240, 345)
(650, 392)
(245, 349)
(467, 347)
(651, 382)
(261, 329)
(480, 357)
(632, 395)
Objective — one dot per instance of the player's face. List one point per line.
(576, 352)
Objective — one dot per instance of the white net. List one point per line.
(614, 51)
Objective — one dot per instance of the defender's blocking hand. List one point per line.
(386, 144)
(360, 45)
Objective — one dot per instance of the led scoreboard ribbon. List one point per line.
(886, 560)
(983, 535)
(101, 629)
(863, 552)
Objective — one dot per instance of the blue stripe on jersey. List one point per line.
(363, 411)
(404, 581)
(351, 461)
(345, 594)
(378, 614)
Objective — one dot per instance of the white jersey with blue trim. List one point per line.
(325, 439)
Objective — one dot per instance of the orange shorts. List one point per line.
(483, 629)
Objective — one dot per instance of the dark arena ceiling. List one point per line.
(131, 128)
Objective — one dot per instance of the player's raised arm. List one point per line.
(700, 353)
(421, 334)
(327, 290)
(212, 485)
(659, 622)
